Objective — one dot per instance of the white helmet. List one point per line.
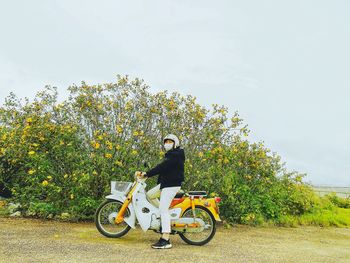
(173, 138)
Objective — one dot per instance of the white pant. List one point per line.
(167, 194)
(153, 195)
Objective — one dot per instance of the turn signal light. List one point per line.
(217, 199)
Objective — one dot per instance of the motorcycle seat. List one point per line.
(179, 194)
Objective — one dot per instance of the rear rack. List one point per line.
(197, 193)
(194, 194)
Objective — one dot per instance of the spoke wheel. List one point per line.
(104, 219)
(208, 232)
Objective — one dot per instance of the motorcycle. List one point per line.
(193, 215)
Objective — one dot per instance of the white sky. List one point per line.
(284, 65)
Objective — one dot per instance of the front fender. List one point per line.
(130, 220)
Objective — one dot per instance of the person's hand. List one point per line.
(140, 174)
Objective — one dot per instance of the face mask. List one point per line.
(168, 146)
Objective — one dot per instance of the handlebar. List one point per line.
(138, 176)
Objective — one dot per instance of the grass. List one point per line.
(3, 210)
(338, 217)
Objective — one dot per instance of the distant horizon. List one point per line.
(331, 186)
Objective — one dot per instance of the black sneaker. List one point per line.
(162, 243)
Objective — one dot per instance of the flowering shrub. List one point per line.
(60, 157)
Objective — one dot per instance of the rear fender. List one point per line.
(208, 203)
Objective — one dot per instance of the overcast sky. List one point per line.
(284, 65)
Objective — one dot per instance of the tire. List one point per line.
(187, 239)
(99, 225)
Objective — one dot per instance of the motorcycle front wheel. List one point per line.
(201, 238)
(105, 216)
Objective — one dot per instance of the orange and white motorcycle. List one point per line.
(193, 215)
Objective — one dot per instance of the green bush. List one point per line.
(42, 210)
(60, 157)
(338, 201)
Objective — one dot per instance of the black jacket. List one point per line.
(171, 169)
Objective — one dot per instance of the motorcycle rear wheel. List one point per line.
(201, 238)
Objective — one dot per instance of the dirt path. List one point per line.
(24, 240)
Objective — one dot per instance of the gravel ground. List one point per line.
(27, 240)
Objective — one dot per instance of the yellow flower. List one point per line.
(136, 133)
(119, 163)
(31, 152)
(61, 142)
(119, 129)
(235, 119)
(94, 173)
(108, 155)
(171, 104)
(31, 171)
(100, 137)
(45, 183)
(29, 120)
(128, 105)
(118, 147)
(134, 152)
(200, 154)
(109, 145)
(49, 177)
(71, 196)
(2, 151)
(96, 145)
(65, 176)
